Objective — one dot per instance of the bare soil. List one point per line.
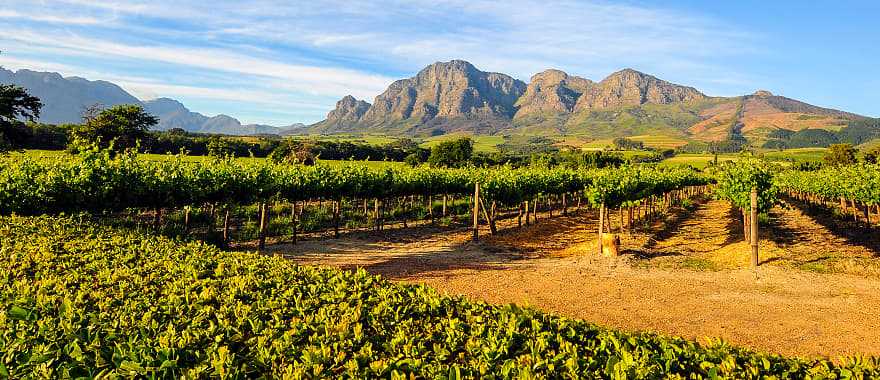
(816, 293)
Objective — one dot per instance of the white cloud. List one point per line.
(48, 18)
(304, 78)
(324, 49)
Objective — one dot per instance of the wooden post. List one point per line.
(476, 211)
(186, 220)
(336, 206)
(855, 210)
(263, 225)
(601, 226)
(519, 215)
(212, 217)
(376, 213)
(293, 220)
(445, 199)
(527, 212)
(564, 205)
(226, 228)
(535, 210)
(754, 227)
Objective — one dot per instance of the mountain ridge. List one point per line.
(455, 96)
(65, 98)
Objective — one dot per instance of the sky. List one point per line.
(284, 62)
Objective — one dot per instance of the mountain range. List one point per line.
(455, 96)
(65, 98)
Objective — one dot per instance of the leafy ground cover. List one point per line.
(86, 301)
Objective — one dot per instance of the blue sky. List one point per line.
(281, 62)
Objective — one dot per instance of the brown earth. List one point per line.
(681, 276)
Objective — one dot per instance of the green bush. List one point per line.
(87, 301)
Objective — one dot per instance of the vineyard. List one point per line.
(96, 290)
(86, 301)
(856, 189)
(354, 195)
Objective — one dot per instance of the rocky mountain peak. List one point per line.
(629, 87)
(348, 110)
(445, 90)
(763, 94)
(551, 91)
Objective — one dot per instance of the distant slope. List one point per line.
(65, 99)
(450, 97)
(443, 97)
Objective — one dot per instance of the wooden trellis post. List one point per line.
(336, 205)
(601, 225)
(226, 228)
(754, 227)
(476, 211)
(264, 221)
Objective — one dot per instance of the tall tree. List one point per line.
(15, 105)
(120, 126)
(840, 154)
(452, 153)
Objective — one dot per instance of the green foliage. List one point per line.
(15, 105)
(120, 127)
(452, 153)
(413, 160)
(857, 182)
(627, 144)
(220, 147)
(81, 301)
(630, 185)
(97, 180)
(736, 179)
(840, 154)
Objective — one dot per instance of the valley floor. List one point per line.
(816, 293)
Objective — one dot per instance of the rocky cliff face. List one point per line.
(345, 116)
(452, 90)
(551, 91)
(632, 88)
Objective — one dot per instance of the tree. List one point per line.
(220, 147)
(121, 127)
(622, 143)
(15, 105)
(413, 159)
(452, 153)
(840, 154)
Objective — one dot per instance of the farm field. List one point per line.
(813, 296)
(52, 154)
(680, 270)
(482, 143)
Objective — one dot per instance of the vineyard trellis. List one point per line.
(98, 182)
(855, 189)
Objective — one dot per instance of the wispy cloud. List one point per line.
(313, 52)
(52, 19)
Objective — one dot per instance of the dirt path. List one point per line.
(550, 266)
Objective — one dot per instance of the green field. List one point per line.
(83, 300)
(797, 155)
(354, 138)
(697, 160)
(659, 141)
(162, 157)
(483, 144)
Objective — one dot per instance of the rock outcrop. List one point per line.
(450, 91)
(629, 87)
(552, 91)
